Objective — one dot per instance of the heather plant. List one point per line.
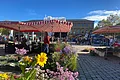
(21, 51)
(59, 46)
(60, 74)
(67, 57)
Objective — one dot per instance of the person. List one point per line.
(107, 41)
(46, 42)
(111, 41)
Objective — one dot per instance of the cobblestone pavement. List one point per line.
(97, 68)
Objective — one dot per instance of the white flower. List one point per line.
(12, 64)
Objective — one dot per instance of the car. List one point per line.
(116, 44)
(97, 39)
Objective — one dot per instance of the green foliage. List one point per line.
(4, 31)
(118, 24)
(12, 77)
(59, 46)
(96, 28)
(28, 75)
(68, 61)
(110, 21)
(56, 56)
(72, 63)
(50, 65)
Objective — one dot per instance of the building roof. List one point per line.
(31, 20)
(71, 20)
(79, 20)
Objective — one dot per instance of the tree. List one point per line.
(104, 23)
(110, 21)
(97, 27)
(4, 31)
(118, 24)
(113, 19)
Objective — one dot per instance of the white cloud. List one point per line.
(95, 17)
(104, 12)
(112, 12)
(99, 15)
(97, 12)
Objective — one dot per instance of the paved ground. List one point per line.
(97, 68)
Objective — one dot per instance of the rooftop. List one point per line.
(79, 20)
(67, 20)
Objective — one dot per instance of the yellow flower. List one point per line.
(4, 76)
(27, 58)
(41, 59)
(21, 63)
(0, 75)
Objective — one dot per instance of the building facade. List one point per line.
(81, 26)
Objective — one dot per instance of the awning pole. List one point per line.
(114, 36)
(19, 35)
(41, 41)
(60, 37)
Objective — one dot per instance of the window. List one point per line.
(82, 25)
(74, 24)
(86, 25)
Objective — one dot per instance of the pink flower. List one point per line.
(61, 70)
(21, 51)
(47, 70)
(75, 74)
(62, 74)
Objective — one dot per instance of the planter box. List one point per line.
(116, 54)
(116, 51)
(7, 68)
(10, 48)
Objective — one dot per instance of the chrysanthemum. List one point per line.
(27, 59)
(4, 76)
(41, 59)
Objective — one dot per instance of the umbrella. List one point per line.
(51, 26)
(108, 29)
(18, 26)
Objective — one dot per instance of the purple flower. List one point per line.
(21, 51)
(67, 49)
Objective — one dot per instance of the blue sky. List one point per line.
(70, 9)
